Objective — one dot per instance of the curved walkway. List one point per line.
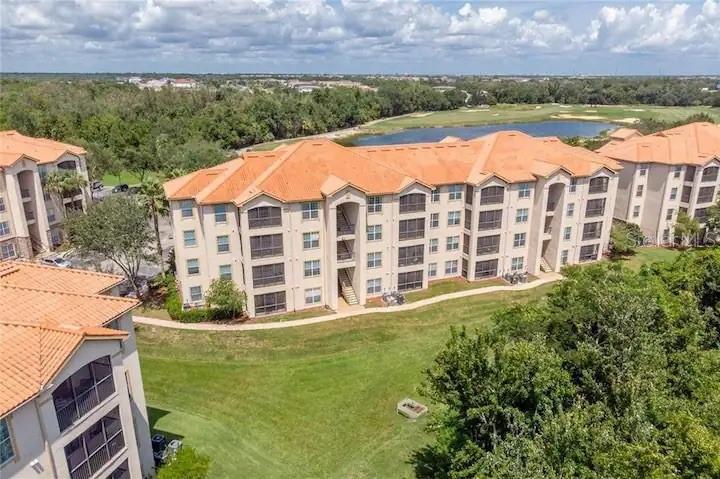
(545, 278)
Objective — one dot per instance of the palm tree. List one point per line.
(152, 195)
(61, 183)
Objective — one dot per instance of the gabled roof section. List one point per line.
(692, 144)
(14, 146)
(24, 274)
(623, 134)
(310, 170)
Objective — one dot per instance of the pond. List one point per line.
(541, 128)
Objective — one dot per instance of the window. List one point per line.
(225, 271)
(223, 244)
(269, 303)
(268, 275)
(120, 472)
(434, 245)
(195, 293)
(374, 204)
(189, 238)
(486, 269)
(519, 240)
(570, 211)
(454, 218)
(4, 228)
(636, 211)
(7, 251)
(6, 447)
(374, 260)
(589, 252)
(311, 268)
(2, 204)
(492, 195)
(452, 243)
(666, 235)
(412, 202)
(186, 209)
(567, 233)
(468, 194)
(80, 393)
(564, 257)
(310, 210)
(686, 192)
(51, 215)
(193, 267)
(676, 171)
(88, 453)
(595, 208)
(599, 184)
(455, 192)
(690, 173)
(410, 280)
(573, 185)
(639, 190)
(669, 214)
(643, 170)
(466, 244)
(464, 271)
(264, 216)
(311, 240)
(432, 270)
(706, 194)
(490, 220)
(521, 215)
(374, 286)
(412, 229)
(434, 220)
(468, 219)
(266, 246)
(435, 195)
(374, 232)
(673, 193)
(220, 214)
(516, 264)
(411, 255)
(312, 296)
(701, 214)
(524, 190)
(451, 267)
(710, 173)
(592, 230)
(488, 244)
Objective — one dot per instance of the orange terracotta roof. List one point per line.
(692, 144)
(32, 354)
(624, 133)
(14, 146)
(32, 275)
(46, 314)
(311, 169)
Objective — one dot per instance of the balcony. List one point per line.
(264, 217)
(551, 206)
(489, 225)
(410, 260)
(705, 199)
(591, 213)
(344, 226)
(345, 252)
(84, 402)
(412, 203)
(492, 199)
(25, 194)
(489, 249)
(29, 216)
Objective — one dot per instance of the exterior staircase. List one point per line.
(346, 288)
(545, 266)
(343, 225)
(344, 251)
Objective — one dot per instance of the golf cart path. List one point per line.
(544, 278)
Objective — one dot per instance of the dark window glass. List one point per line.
(269, 303)
(268, 275)
(592, 230)
(488, 244)
(492, 195)
(266, 245)
(595, 208)
(486, 269)
(412, 229)
(264, 216)
(410, 255)
(80, 393)
(412, 202)
(410, 280)
(490, 220)
(599, 185)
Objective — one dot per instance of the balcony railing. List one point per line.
(264, 222)
(410, 260)
(412, 207)
(99, 458)
(492, 199)
(85, 402)
(489, 225)
(591, 235)
(591, 213)
(551, 206)
(492, 249)
(412, 234)
(25, 193)
(256, 253)
(268, 281)
(705, 199)
(29, 215)
(345, 256)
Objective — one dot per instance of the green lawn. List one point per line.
(445, 286)
(315, 401)
(127, 177)
(647, 255)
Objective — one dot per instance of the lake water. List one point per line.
(541, 128)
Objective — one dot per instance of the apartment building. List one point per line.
(665, 173)
(30, 217)
(306, 224)
(72, 403)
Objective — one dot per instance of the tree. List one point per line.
(712, 222)
(625, 238)
(188, 464)
(60, 183)
(152, 196)
(686, 227)
(225, 298)
(116, 229)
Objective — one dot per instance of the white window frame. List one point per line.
(452, 243)
(374, 259)
(435, 195)
(195, 267)
(374, 232)
(313, 296)
(310, 210)
(524, 190)
(451, 267)
(185, 238)
(220, 215)
(374, 286)
(567, 233)
(434, 245)
(222, 275)
(218, 244)
(311, 268)
(432, 270)
(519, 240)
(193, 288)
(186, 206)
(455, 192)
(308, 242)
(522, 215)
(434, 220)
(454, 218)
(374, 204)
(570, 211)
(517, 264)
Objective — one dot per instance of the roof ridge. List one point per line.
(220, 180)
(269, 170)
(18, 264)
(74, 293)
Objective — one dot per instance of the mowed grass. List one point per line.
(649, 255)
(127, 177)
(308, 402)
(445, 286)
(531, 113)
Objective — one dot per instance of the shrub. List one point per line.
(174, 307)
(225, 299)
(188, 464)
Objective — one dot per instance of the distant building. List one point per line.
(72, 403)
(183, 83)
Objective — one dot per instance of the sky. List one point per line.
(601, 37)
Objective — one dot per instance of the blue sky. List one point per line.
(361, 36)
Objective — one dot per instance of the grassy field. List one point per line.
(315, 401)
(530, 113)
(445, 286)
(127, 177)
(649, 255)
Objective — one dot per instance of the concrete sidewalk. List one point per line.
(544, 278)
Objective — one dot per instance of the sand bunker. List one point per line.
(635, 109)
(420, 115)
(629, 121)
(568, 116)
(475, 110)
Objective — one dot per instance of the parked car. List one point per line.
(55, 261)
(121, 188)
(97, 185)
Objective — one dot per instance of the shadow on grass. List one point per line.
(154, 415)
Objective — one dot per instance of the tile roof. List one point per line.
(310, 169)
(624, 133)
(46, 314)
(692, 144)
(14, 146)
